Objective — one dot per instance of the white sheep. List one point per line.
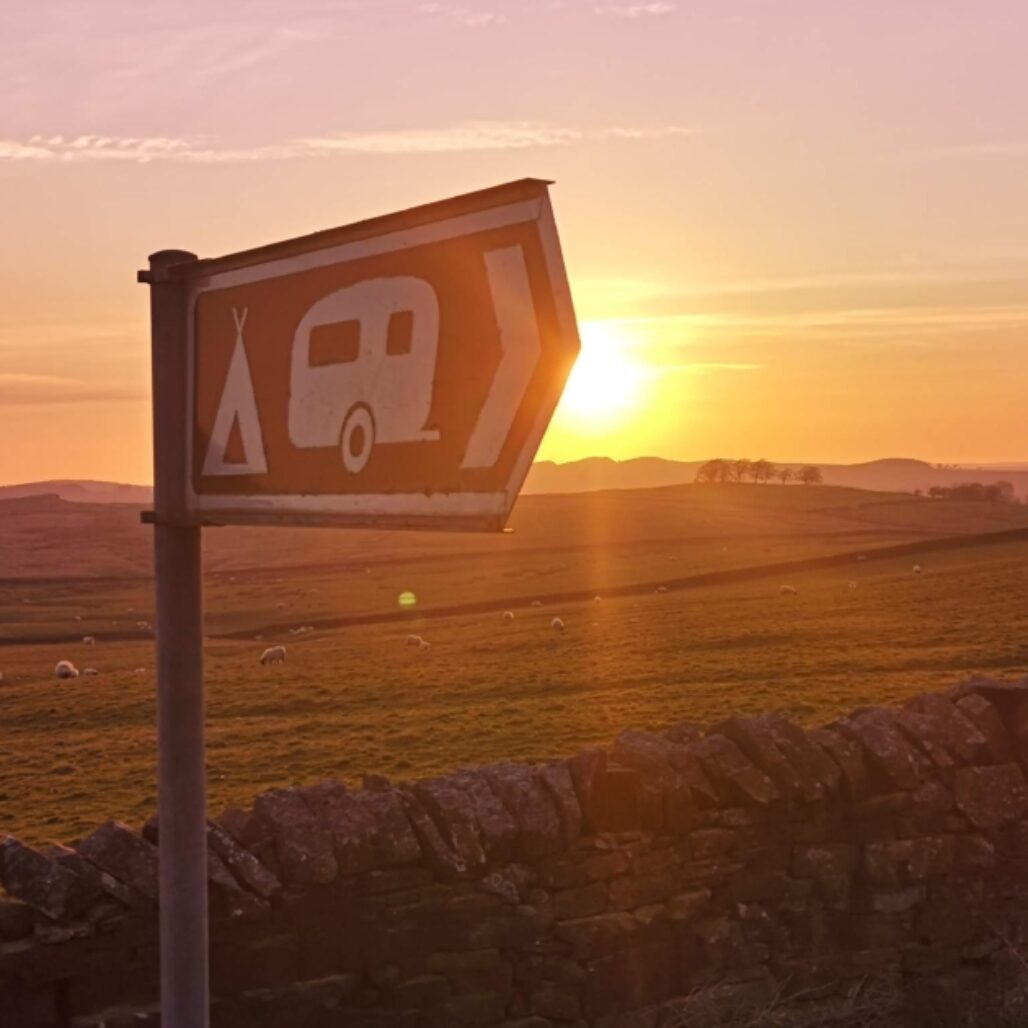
(852, 584)
(558, 624)
(537, 603)
(414, 640)
(143, 626)
(508, 615)
(65, 669)
(787, 590)
(917, 569)
(89, 640)
(596, 599)
(424, 645)
(661, 589)
(89, 671)
(139, 671)
(274, 655)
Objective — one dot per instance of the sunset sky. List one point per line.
(795, 229)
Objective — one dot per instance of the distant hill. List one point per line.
(891, 474)
(47, 537)
(596, 473)
(80, 491)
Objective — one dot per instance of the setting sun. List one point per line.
(606, 380)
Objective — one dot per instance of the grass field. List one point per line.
(358, 699)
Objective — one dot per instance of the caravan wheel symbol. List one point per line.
(358, 438)
(363, 368)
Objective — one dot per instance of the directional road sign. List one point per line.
(396, 372)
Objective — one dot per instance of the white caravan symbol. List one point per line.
(370, 395)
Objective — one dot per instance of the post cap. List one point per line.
(162, 262)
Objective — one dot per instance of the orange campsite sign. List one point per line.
(400, 371)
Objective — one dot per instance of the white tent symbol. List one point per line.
(238, 405)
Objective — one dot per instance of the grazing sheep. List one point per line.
(424, 645)
(274, 655)
(89, 671)
(65, 669)
(661, 589)
(596, 599)
(537, 603)
(414, 640)
(852, 584)
(143, 626)
(787, 590)
(302, 630)
(508, 615)
(78, 617)
(917, 569)
(558, 624)
(139, 671)
(861, 556)
(89, 640)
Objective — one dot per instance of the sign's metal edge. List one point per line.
(561, 290)
(302, 519)
(410, 218)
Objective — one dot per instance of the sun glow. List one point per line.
(606, 381)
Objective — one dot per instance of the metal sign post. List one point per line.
(396, 373)
(182, 787)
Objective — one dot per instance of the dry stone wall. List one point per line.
(752, 855)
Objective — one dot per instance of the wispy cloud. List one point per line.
(18, 389)
(719, 366)
(965, 151)
(636, 10)
(899, 325)
(473, 136)
(464, 15)
(140, 150)
(481, 136)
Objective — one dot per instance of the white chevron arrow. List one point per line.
(521, 345)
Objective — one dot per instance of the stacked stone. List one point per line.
(748, 855)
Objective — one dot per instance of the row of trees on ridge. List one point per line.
(995, 492)
(762, 471)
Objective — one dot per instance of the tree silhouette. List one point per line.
(717, 470)
(763, 471)
(785, 475)
(742, 468)
(810, 475)
(998, 492)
